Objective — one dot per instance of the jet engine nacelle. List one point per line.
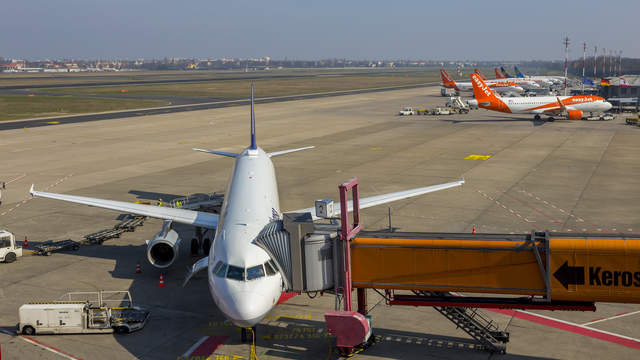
(574, 114)
(163, 249)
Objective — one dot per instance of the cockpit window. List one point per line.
(255, 272)
(269, 268)
(220, 269)
(235, 273)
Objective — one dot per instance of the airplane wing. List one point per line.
(183, 216)
(386, 198)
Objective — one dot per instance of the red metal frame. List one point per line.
(348, 232)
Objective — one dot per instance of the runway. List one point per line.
(73, 119)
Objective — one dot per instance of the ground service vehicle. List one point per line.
(407, 111)
(100, 312)
(9, 252)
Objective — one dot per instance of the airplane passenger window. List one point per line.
(255, 272)
(270, 269)
(235, 273)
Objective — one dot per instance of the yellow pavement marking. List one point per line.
(477, 157)
(53, 122)
(375, 149)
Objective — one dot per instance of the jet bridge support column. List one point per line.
(350, 328)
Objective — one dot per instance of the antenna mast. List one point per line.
(566, 62)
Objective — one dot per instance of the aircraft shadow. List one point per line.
(146, 195)
(293, 338)
(499, 120)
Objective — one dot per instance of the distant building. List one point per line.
(622, 87)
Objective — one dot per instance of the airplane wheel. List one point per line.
(537, 117)
(194, 247)
(206, 246)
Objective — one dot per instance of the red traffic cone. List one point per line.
(26, 242)
(473, 231)
(161, 283)
(138, 268)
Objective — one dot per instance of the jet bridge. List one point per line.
(536, 270)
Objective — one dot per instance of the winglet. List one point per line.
(561, 104)
(32, 191)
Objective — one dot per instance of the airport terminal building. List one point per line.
(630, 87)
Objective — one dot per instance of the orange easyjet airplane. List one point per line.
(571, 107)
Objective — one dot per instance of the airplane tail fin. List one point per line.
(505, 73)
(518, 72)
(499, 74)
(483, 94)
(477, 71)
(253, 123)
(447, 80)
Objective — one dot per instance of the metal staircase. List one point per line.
(479, 327)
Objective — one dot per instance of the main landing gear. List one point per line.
(198, 243)
(537, 117)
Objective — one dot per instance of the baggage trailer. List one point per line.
(130, 224)
(100, 236)
(107, 312)
(48, 247)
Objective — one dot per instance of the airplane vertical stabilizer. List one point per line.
(253, 123)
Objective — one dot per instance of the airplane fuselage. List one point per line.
(541, 104)
(245, 291)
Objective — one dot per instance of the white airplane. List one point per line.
(504, 86)
(570, 106)
(243, 280)
(542, 80)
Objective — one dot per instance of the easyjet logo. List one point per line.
(482, 86)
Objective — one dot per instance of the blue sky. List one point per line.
(478, 30)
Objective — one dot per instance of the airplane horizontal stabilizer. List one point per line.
(278, 153)
(215, 152)
(183, 216)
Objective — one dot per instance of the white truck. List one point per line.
(9, 252)
(100, 312)
(407, 111)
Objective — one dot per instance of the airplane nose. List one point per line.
(247, 308)
(607, 105)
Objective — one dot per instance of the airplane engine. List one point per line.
(574, 114)
(163, 249)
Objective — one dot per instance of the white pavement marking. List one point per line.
(25, 200)
(16, 179)
(504, 207)
(40, 344)
(611, 318)
(188, 353)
